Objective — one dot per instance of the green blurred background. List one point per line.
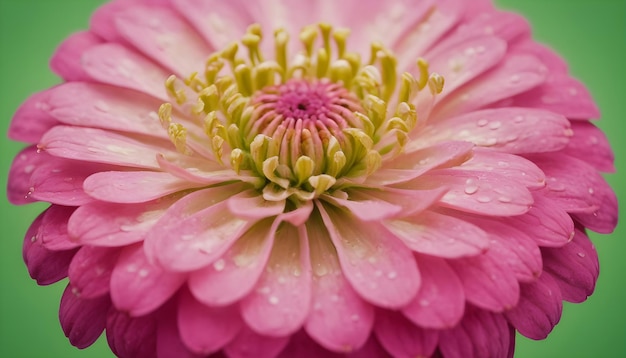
(590, 34)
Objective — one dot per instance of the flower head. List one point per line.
(272, 180)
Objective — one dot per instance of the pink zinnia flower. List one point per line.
(413, 181)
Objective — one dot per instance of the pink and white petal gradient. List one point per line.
(475, 230)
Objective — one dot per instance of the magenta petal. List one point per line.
(371, 349)
(82, 320)
(539, 308)
(377, 264)
(32, 119)
(439, 235)
(236, 273)
(574, 267)
(60, 181)
(508, 165)
(206, 329)
(402, 338)
(340, 319)
(480, 334)
(190, 236)
(589, 144)
(168, 340)
(90, 271)
(440, 301)
(139, 287)
(249, 344)
(131, 337)
(280, 302)
(19, 189)
(302, 346)
(44, 265)
(487, 283)
(52, 233)
(66, 60)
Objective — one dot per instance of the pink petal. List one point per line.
(235, 274)
(545, 54)
(206, 329)
(250, 204)
(280, 303)
(82, 320)
(488, 283)
(133, 187)
(590, 144)
(511, 166)
(365, 209)
(52, 233)
(574, 267)
(561, 94)
(377, 265)
(44, 265)
(539, 308)
(117, 65)
(479, 192)
(108, 224)
(193, 233)
(440, 302)
(32, 119)
(339, 320)
(411, 201)
(371, 349)
(139, 287)
(511, 130)
(302, 346)
(248, 344)
(107, 107)
(131, 336)
(99, 146)
(102, 20)
(66, 59)
(168, 340)
(60, 181)
(163, 36)
(201, 170)
(546, 223)
(504, 25)
(90, 271)
(401, 338)
(439, 235)
(480, 334)
(18, 186)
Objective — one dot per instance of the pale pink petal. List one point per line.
(90, 271)
(339, 319)
(439, 235)
(377, 264)
(108, 224)
(365, 209)
(102, 20)
(440, 301)
(235, 274)
(107, 107)
(131, 336)
(514, 75)
(590, 144)
(118, 65)
(133, 187)
(18, 186)
(249, 204)
(561, 94)
(402, 338)
(248, 344)
(138, 286)
(488, 283)
(206, 329)
(82, 320)
(99, 146)
(411, 201)
(545, 223)
(163, 36)
(478, 192)
(65, 61)
(45, 266)
(539, 308)
(302, 346)
(202, 171)
(193, 233)
(480, 334)
(511, 130)
(415, 163)
(511, 166)
(32, 119)
(574, 267)
(280, 302)
(52, 233)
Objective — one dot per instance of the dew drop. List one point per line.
(573, 91)
(378, 273)
(482, 122)
(320, 270)
(593, 140)
(126, 228)
(515, 79)
(581, 254)
(273, 300)
(355, 317)
(371, 260)
(490, 142)
(392, 275)
(143, 273)
(470, 186)
(33, 238)
(219, 265)
(131, 268)
(483, 199)
(518, 119)
(102, 106)
(494, 125)
(75, 292)
(42, 106)
(505, 199)
(591, 191)
(187, 237)
(480, 49)
(282, 280)
(424, 302)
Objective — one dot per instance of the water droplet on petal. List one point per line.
(591, 191)
(505, 199)
(102, 106)
(515, 79)
(495, 125)
(483, 199)
(219, 265)
(424, 302)
(392, 275)
(581, 254)
(355, 317)
(273, 300)
(518, 119)
(482, 122)
(143, 273)
(470, 186)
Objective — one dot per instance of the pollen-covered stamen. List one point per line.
(307, 124)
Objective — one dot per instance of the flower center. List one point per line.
(314, 123)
